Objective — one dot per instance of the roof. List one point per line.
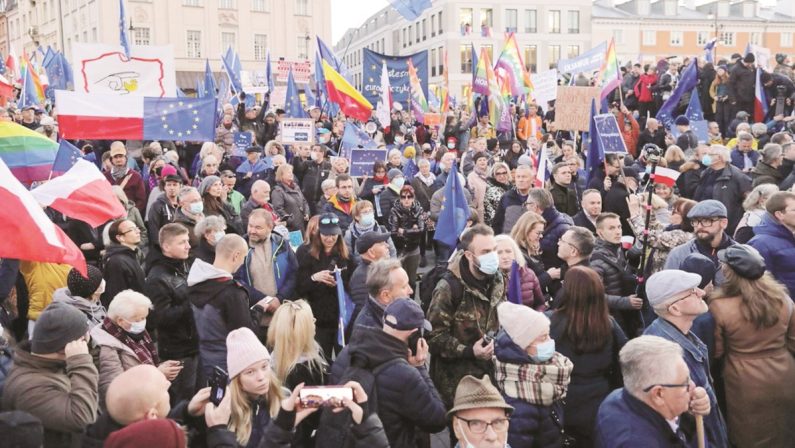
(627, 10)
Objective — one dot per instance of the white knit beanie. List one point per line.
(242, 350)
(522, 323)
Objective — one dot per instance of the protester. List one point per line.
(260, 198)
(557, 223)
(128, 179)
(480, 416)
(512, 204)
(164, 207)
(211, 191)
(529, 288)
(251, 170)
(590, 208)
(343, 201)
(84, 294)
(363, 222)
(723, 182)
(190, 211)
(122, 268)
(209, 230)
(754, 205)
(527, 234)
(407, 225)
(133, 215)
(288, 201)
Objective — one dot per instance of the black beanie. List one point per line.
(58, 325)
(81, 286)
(697, 263)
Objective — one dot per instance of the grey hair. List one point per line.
(758, 128)
(517, 253)
(541, 197)
(211, 222)
(743, 135)
(326, 184)
(378, 275)
(723, 152)
(392, 152)
(751, 201)
(423, 162)
(648, 360)
(584, 240)
(184, 191)
(771, 152)
(126, 303)
(742, 127)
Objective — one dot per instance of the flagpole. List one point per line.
(347, 47)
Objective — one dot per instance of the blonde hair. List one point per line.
(517, 253)
(522, 227)
(240, 420)
(291, 338)
(281, 171)
(752, 201)
(760, 299)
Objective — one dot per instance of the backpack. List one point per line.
(431, 279)
(334, 430)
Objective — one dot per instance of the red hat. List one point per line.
(157, 433)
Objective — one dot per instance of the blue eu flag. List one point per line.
(454, 212)
(595, 153)
(66, 157)
(292, 102)
(181, 119)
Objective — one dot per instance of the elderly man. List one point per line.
(386, 282)
(766, 170)
(480, 416)
(128, 179)
(251, 170)
(775, 238)
(723, 182)
(260, 197)
(652, 134)
(590, 208)
(676, 298)
(512, 204)
(651, 410)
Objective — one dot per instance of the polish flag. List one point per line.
(665, 176)
(81, 193)
(28, 232)
(543, 170)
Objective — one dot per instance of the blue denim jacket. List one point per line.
(697, 360)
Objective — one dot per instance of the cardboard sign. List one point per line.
(302, 71)
(242, 141)
(573, 107)
(362, 160)
(297, 131)
(609, 134)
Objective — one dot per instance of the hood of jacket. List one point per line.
(201, 271)
(207, 283)
(771, 227)
(507, 351)
(63, 295)
(375, 347)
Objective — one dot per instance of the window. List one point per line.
(442, 62)
(404, 38)
(531, 21)
(465, 21)
(433, 25)
(649, 38)
(573, 51)
(194, 47)
(192, 2)
(260, 46)
(410, 33)
(756, 38)
(433, 62)
(574, 22)
(511, 18)
(530, 57)
(226, 4)
(260, 6)
(417, 31)
(440, 22)
(676, 38)
(786, 39)
(618, 36)
(727, 38)
(141, 36)
(490, 50)
(301, 44)
(702, 37)
(228, 39)
(554, 23)
(424, 29)
(466, 58)
(554, 55)
(302, 8)
(486, 22)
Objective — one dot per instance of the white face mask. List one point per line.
(137, 327)
(218, 235)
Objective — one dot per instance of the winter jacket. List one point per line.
(290, 201)
(161, 213)
(763, 173)
(776, 243)
(249, 206)
(557, 225)
(62, 394)
(367, 188)
(730, 188)
(93, 310)
(643, 88)
(530, 290)
(285, 267)
(565, 199)
(189, 223)
(134, 188)
(42, 280)
(404, 218)
(121, 270)
(386, 200)
(322, 298)
(205, 251)
(220, 305)
(478, 186)
(171, 318)
(334, 206)
(437, 199)
(458, 322)
(407, 399)
(355, 231)
(313, 175)
(258, 171)
(114, 359)
(679, 253)
(742, 81)
(99, 431)
(494, 193)
(738, 160)
(509, 210)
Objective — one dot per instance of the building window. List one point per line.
(466, 58)
(573, 51)
(649, 38)
(554, 23)
(301, 44)
(554, 55)
(191, 2)
(260, 46)
(756, 39)
(465, 21)
(383, 46)
(440, 23)
(786, 39)
(410, 33)
(531, 21)
(404, 38)
(141, 36)
(702, 37)
(490, 50)
(618, 36)
(676, 38)
(433, 25)
(302, 8)
(574, 22)
(260, 6)
(424, 29)
(228, 40)
(530, 57)
(727, 38)
(486, 22)
(194, 47)
(442, 62)
(433, 62)
(417, 32)
(511, 25)
(226, 4)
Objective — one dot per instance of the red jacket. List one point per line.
(531, 289)
(643, 88)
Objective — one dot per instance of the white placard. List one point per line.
(297, 130)
(545, 87)
(100, 68)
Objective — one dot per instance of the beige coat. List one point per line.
(759, 375)
(114, 358)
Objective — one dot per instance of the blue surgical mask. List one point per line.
(398, 182)
(489, 263)
(218, 235)
(545, 351)
(706, 160)
(367, 219)
(137, 327)
(196, 208)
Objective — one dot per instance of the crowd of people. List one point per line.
(603, 309)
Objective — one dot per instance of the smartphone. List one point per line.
(414, 339)
(487, 338)
(331, 396)
(218, 382)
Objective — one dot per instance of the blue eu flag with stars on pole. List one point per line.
(181, 119)
(455, 211)
(65, 158)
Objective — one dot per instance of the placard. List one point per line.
(101, 68)
(609, 134)
(587, 62)
(362, 161)
(545, 87)
(302, 71)
(242, 141)
(573, 107)
(296, 239)
(297, 131)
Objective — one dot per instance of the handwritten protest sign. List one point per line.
(609, 135)
(297, 130)
(573, 107)
(101, 68)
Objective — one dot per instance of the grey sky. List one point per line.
(350, 14)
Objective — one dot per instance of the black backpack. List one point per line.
(431, 279)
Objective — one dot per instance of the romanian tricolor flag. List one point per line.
(351, 102)
(419, 105)
(27, 153)
(609, 74)
(445, 94)
(510, 61)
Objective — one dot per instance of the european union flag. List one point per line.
(346, 308)
(686, 83)
(292, 102)
(455, 211)
(328, 55)
(311, 99)
(209, 81)
(514, 294)
(595, 154)
(268, 72)
(181, 119)
(354, 138)
(65, 158)
(28, 96)
(694, 111)
(124, 41)
(231, 67)
(2, 65)
(410, 170)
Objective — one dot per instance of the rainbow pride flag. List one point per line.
(27, 153)
(496, 100)
(418, 102)
(609, 74)
(510, 61)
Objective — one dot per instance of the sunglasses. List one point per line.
(330, 221)
(406, 197)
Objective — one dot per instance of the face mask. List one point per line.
(196, 208)
(451, 145)
(219, 235)
(367, 219)
(313, 156)
(706, 160)
(398, 182)
(545, 351)
(137, 327)
(399, 140)
(489, 263)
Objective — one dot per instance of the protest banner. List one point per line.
(397, 67)
(573, 107)
(362, 160)
(609, 134)
(699, 127)
(242, 141)
(278, 96)
(254, 81)
(100, 68)
(545, 87)
(587, 62)
(297, 131)
(302, 71)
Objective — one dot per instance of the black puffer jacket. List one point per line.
(322, 298)
(609, 262)
(407, 398)
(121, 270)
(406, 218)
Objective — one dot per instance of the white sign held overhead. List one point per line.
(545, 87)
(100, 68)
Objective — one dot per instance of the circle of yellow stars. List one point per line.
(164, 113)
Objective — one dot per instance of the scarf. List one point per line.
(382, 180)
(141, 344)
(428, 181)
(538, 384)
(118, 173)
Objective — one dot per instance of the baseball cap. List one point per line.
(405, 314)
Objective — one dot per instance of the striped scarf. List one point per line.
(142, 345)
(539, 384)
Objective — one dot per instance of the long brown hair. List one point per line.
(585, 308)
(316, 247)
(760, 299)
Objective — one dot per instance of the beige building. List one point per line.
(197, 29)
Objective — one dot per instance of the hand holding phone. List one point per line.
(218, 382)
(331, 396)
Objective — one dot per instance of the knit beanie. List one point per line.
(207, 182)
(81, 286)
(393, 173)
(522, 323)
(242, 350)
(156, 433)
(58, 325)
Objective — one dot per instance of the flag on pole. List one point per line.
(354, 137)
(419, 105)
(269, 73)
(694, 111)
(709, 50)
(760, 98)
(543, 170)
(28, 154)
(514, 293)
(445, 96)
(65, 158)
(385, 100)
(667, 176)
(454, 211)
(292, 103)
(230, 63)
(326, 54)
(510, 61)
(124, 41)
(345, 95)
(345, 305)
(687, 82)
(595, 155)
(410, 9)
(610, 74)
(475, 62)
(209, 81)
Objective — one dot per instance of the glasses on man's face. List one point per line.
(688, 385)
(480, 426)
(132, 229)
(703, 222)
(692, 292)
(330, 221)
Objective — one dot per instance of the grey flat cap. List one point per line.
(664, 285)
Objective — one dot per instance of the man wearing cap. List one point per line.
(371, 246)
(396, 353)
(480, 416)
(342, 202)
(723, 182)
(676, 298)
(29, 118)
(48, 128)
(128, 179)
(687, 139)
(54, 377)
(742, 81)
(251, 170)
(232, 197)
(775, 238)
(710, 224)
(651, 410)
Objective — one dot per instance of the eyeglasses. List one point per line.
(132, 229)
(406, 197)
(118, 156)
(480, 426)
(334, 220)
(704, 222)
(687, 385)
(501, 173)
(692, 292)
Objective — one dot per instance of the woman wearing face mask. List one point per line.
(209, 230)
(364, 221)
(531, 376)
(389, 196)
(124, 342)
